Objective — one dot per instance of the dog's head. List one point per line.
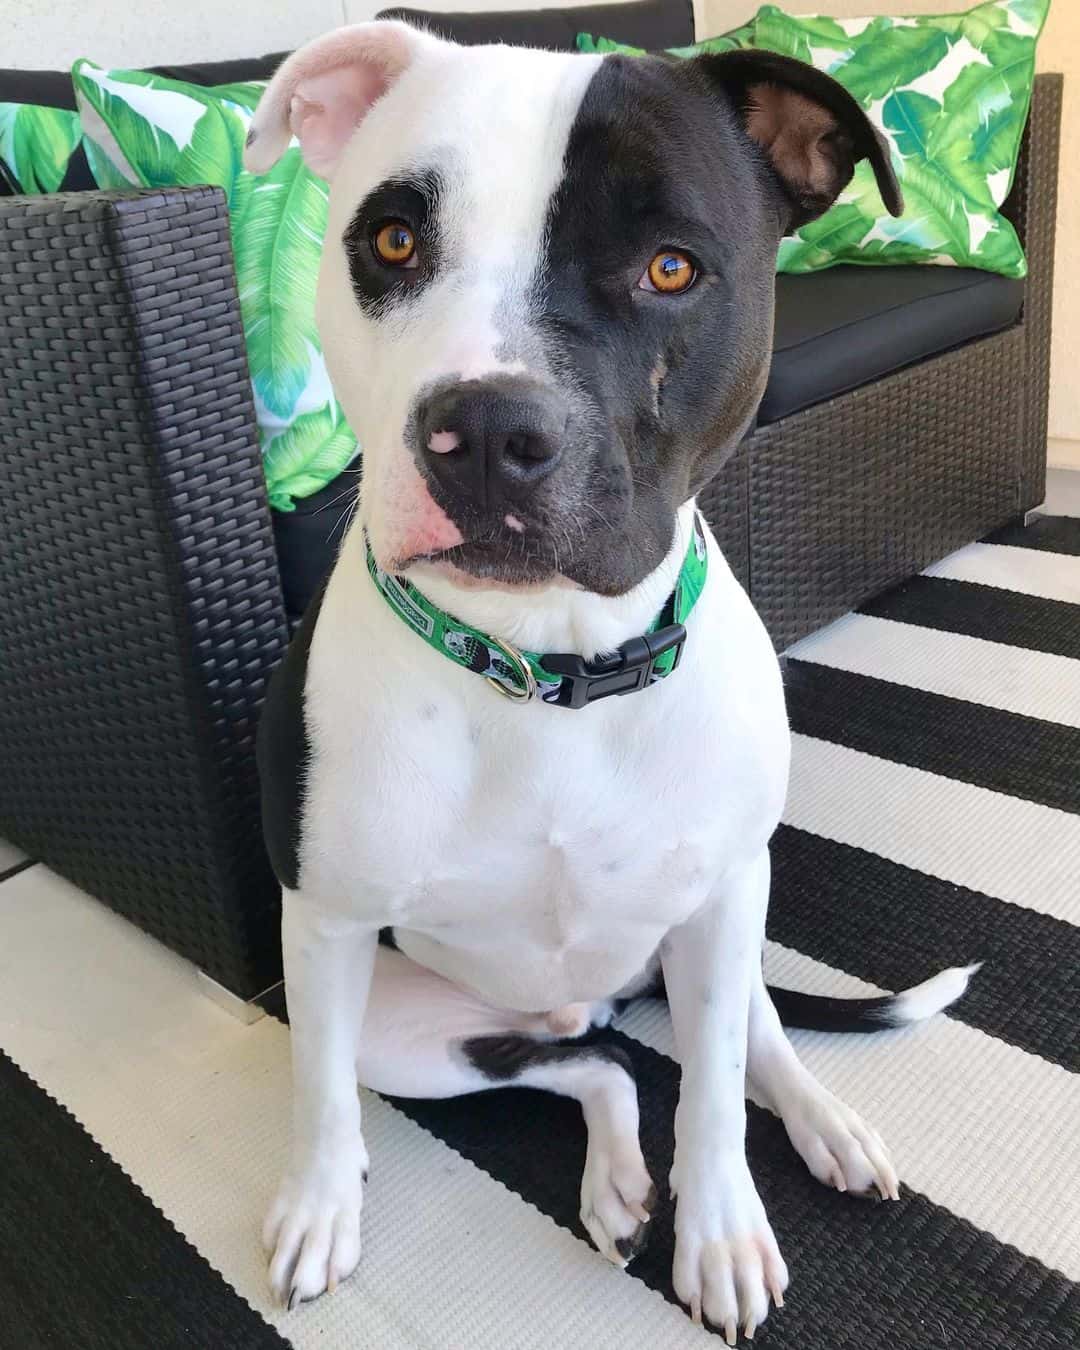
(547, 283)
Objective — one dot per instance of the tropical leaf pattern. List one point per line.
(949, 92)
(36, 145)
(600, 46)
(146, 130)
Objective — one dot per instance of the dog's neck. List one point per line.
(555, 617)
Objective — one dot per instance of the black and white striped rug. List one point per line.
(933, 820)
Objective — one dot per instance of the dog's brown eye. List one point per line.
(670, 272)
(395, 244)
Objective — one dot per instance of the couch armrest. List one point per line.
(140, 604)
(1032, 208)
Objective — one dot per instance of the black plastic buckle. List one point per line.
(629, 668)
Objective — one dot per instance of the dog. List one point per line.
(531, 729)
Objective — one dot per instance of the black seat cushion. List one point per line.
(308, 539)
(646, 23)
(844, 327)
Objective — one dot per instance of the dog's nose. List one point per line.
(492, 442)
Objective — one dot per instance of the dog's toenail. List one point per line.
(629, 1247)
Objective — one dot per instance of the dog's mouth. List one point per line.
(505, 560)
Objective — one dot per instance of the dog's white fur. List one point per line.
(473, 321)
(528, 858)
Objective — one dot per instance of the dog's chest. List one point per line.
(537, 878)
(536, 854)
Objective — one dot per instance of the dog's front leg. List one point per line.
(313, 1227)
(726, 1259)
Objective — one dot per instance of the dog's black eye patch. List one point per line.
(414, 202)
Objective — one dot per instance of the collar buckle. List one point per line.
(629, 668)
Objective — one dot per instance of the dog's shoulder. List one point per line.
(283, 750)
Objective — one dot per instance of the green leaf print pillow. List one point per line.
(950, 93)
(728, 42)
(149, 131)
(36, 145)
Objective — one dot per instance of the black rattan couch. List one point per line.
(141, 596)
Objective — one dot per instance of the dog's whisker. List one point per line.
(334, 501)
(347, 516)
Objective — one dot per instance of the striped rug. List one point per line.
(933, 820)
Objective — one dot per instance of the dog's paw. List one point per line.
(312, 1230)
(839, 1148)
(727, 1267)
(617, 1197)
(571, 1020)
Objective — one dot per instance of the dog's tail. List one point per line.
(814, 1012)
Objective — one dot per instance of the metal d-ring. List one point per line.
(518, 662)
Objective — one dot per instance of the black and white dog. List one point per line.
(546, 303)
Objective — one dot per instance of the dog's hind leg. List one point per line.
(617, 1193)
(426, 1037)
(839, 1148)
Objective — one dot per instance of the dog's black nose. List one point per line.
(492, 442)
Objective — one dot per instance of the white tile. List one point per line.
(1062, 492)
(10, 856)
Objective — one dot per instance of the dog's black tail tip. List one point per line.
(815, 1012)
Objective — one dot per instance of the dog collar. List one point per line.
(566, 680)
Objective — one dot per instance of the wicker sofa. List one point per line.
(141, 601)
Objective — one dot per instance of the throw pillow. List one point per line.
(146, 130)
(728, 42)
(951, 95)
(35, 145)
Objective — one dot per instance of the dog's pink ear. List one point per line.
(321, 93)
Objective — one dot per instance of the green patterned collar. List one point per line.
(567, 681)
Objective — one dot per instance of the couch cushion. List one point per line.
(847, 326)
(646, 23)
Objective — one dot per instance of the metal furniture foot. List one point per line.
(244, 1010)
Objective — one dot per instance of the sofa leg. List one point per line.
(1033, 514)
(246, 1011)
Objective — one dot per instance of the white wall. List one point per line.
(50, 34)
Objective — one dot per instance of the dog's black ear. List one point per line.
(810, 128)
